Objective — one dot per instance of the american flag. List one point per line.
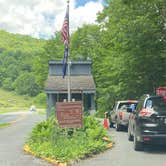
(65, 28)
(65, 58)
(65, 39)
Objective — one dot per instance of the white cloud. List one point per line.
(44, 17)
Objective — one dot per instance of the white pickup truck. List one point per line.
(119, 116)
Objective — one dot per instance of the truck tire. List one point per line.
(111, 123)
(130, 137)
(118, 127)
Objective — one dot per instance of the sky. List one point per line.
(42, 18)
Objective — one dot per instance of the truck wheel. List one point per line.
(130, 137)
(118, 127)
(111, 123)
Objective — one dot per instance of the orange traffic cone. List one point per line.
(105, 124)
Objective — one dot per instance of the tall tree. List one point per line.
(132, 46)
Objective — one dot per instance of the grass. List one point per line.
(47, 140)
(40, 111)
(11, 102)
(4, 125)
(10, 109)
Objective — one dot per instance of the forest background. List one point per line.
(127, 49)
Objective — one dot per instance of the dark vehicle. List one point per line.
(119, 115)
(147, 124)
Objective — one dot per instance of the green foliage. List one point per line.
(17, 56)
(48, 140)
(26, 84)
(10, 102)
(3, 125)
(53, 50)
(128, 52)
(127, 49)
(41, 98)
(7, 84)
(84, 41)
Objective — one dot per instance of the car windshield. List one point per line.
(158, 103)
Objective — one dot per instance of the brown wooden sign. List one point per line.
(69, 114)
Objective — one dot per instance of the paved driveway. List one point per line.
(12, 117)
(123, 154)
(13, 138)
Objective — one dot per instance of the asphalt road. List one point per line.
(11, 117)
(13, 138)
(122, 154)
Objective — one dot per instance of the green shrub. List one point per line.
(26, 84)
(41, 98)
(7, 84)
(48, 140)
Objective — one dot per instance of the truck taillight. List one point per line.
(120, 115)
(146, 112)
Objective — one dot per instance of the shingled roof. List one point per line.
(78, 83)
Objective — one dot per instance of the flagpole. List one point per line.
(68, 81)
(68, 66)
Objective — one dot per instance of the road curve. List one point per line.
(12, 139)
(12, 117)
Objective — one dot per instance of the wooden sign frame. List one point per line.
(69, 114)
